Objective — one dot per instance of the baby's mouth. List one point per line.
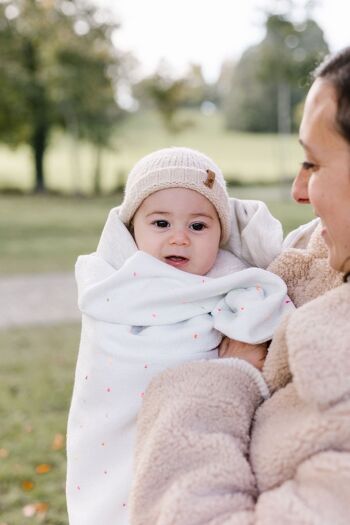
(176, 260)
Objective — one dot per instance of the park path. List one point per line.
(37, 299)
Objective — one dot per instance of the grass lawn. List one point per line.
(47, 233)
(70, 165)
(36, 377)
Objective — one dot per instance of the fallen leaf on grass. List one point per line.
(28, 511)
(43, 468)
(27, 485)
(58, 442)
(35, 509)
(3, 454)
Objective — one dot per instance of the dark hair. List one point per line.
(336, 69)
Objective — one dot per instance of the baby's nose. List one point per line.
(179, 236)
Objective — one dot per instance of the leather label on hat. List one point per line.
(210, 179)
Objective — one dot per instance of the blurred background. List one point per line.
(86, 89)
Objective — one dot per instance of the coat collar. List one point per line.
(311, 348)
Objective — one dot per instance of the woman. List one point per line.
(221, 443)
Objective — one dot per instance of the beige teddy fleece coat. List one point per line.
(212, 450)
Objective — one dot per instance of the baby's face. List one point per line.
(179, 227)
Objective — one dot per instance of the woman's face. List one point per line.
(324, 178)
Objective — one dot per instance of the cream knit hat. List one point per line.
(177, 168)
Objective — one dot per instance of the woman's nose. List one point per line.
(300, 192)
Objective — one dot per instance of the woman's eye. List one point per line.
(161, 223)
(308, 165)
(198, 226)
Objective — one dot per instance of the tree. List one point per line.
(168, 94)
(58, 67)
(271, 78)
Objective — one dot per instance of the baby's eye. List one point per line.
(161, 223)
(198, 226)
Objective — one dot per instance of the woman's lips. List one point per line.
(176, 260)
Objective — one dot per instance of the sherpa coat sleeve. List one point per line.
(193, 437)
(193, 464)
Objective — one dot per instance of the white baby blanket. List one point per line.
(140, 316)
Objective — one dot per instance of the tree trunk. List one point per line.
(97, 175)
(38, 104)
(39, 142)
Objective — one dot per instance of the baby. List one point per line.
(159, 291)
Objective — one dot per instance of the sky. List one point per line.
(207, 32)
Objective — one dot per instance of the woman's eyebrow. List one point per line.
(302, 143)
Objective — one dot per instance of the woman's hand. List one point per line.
(253, 354)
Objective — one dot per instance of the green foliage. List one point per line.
(272, 77)
(58, 68)
(168, 95)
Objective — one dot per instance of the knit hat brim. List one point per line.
(147, 179)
